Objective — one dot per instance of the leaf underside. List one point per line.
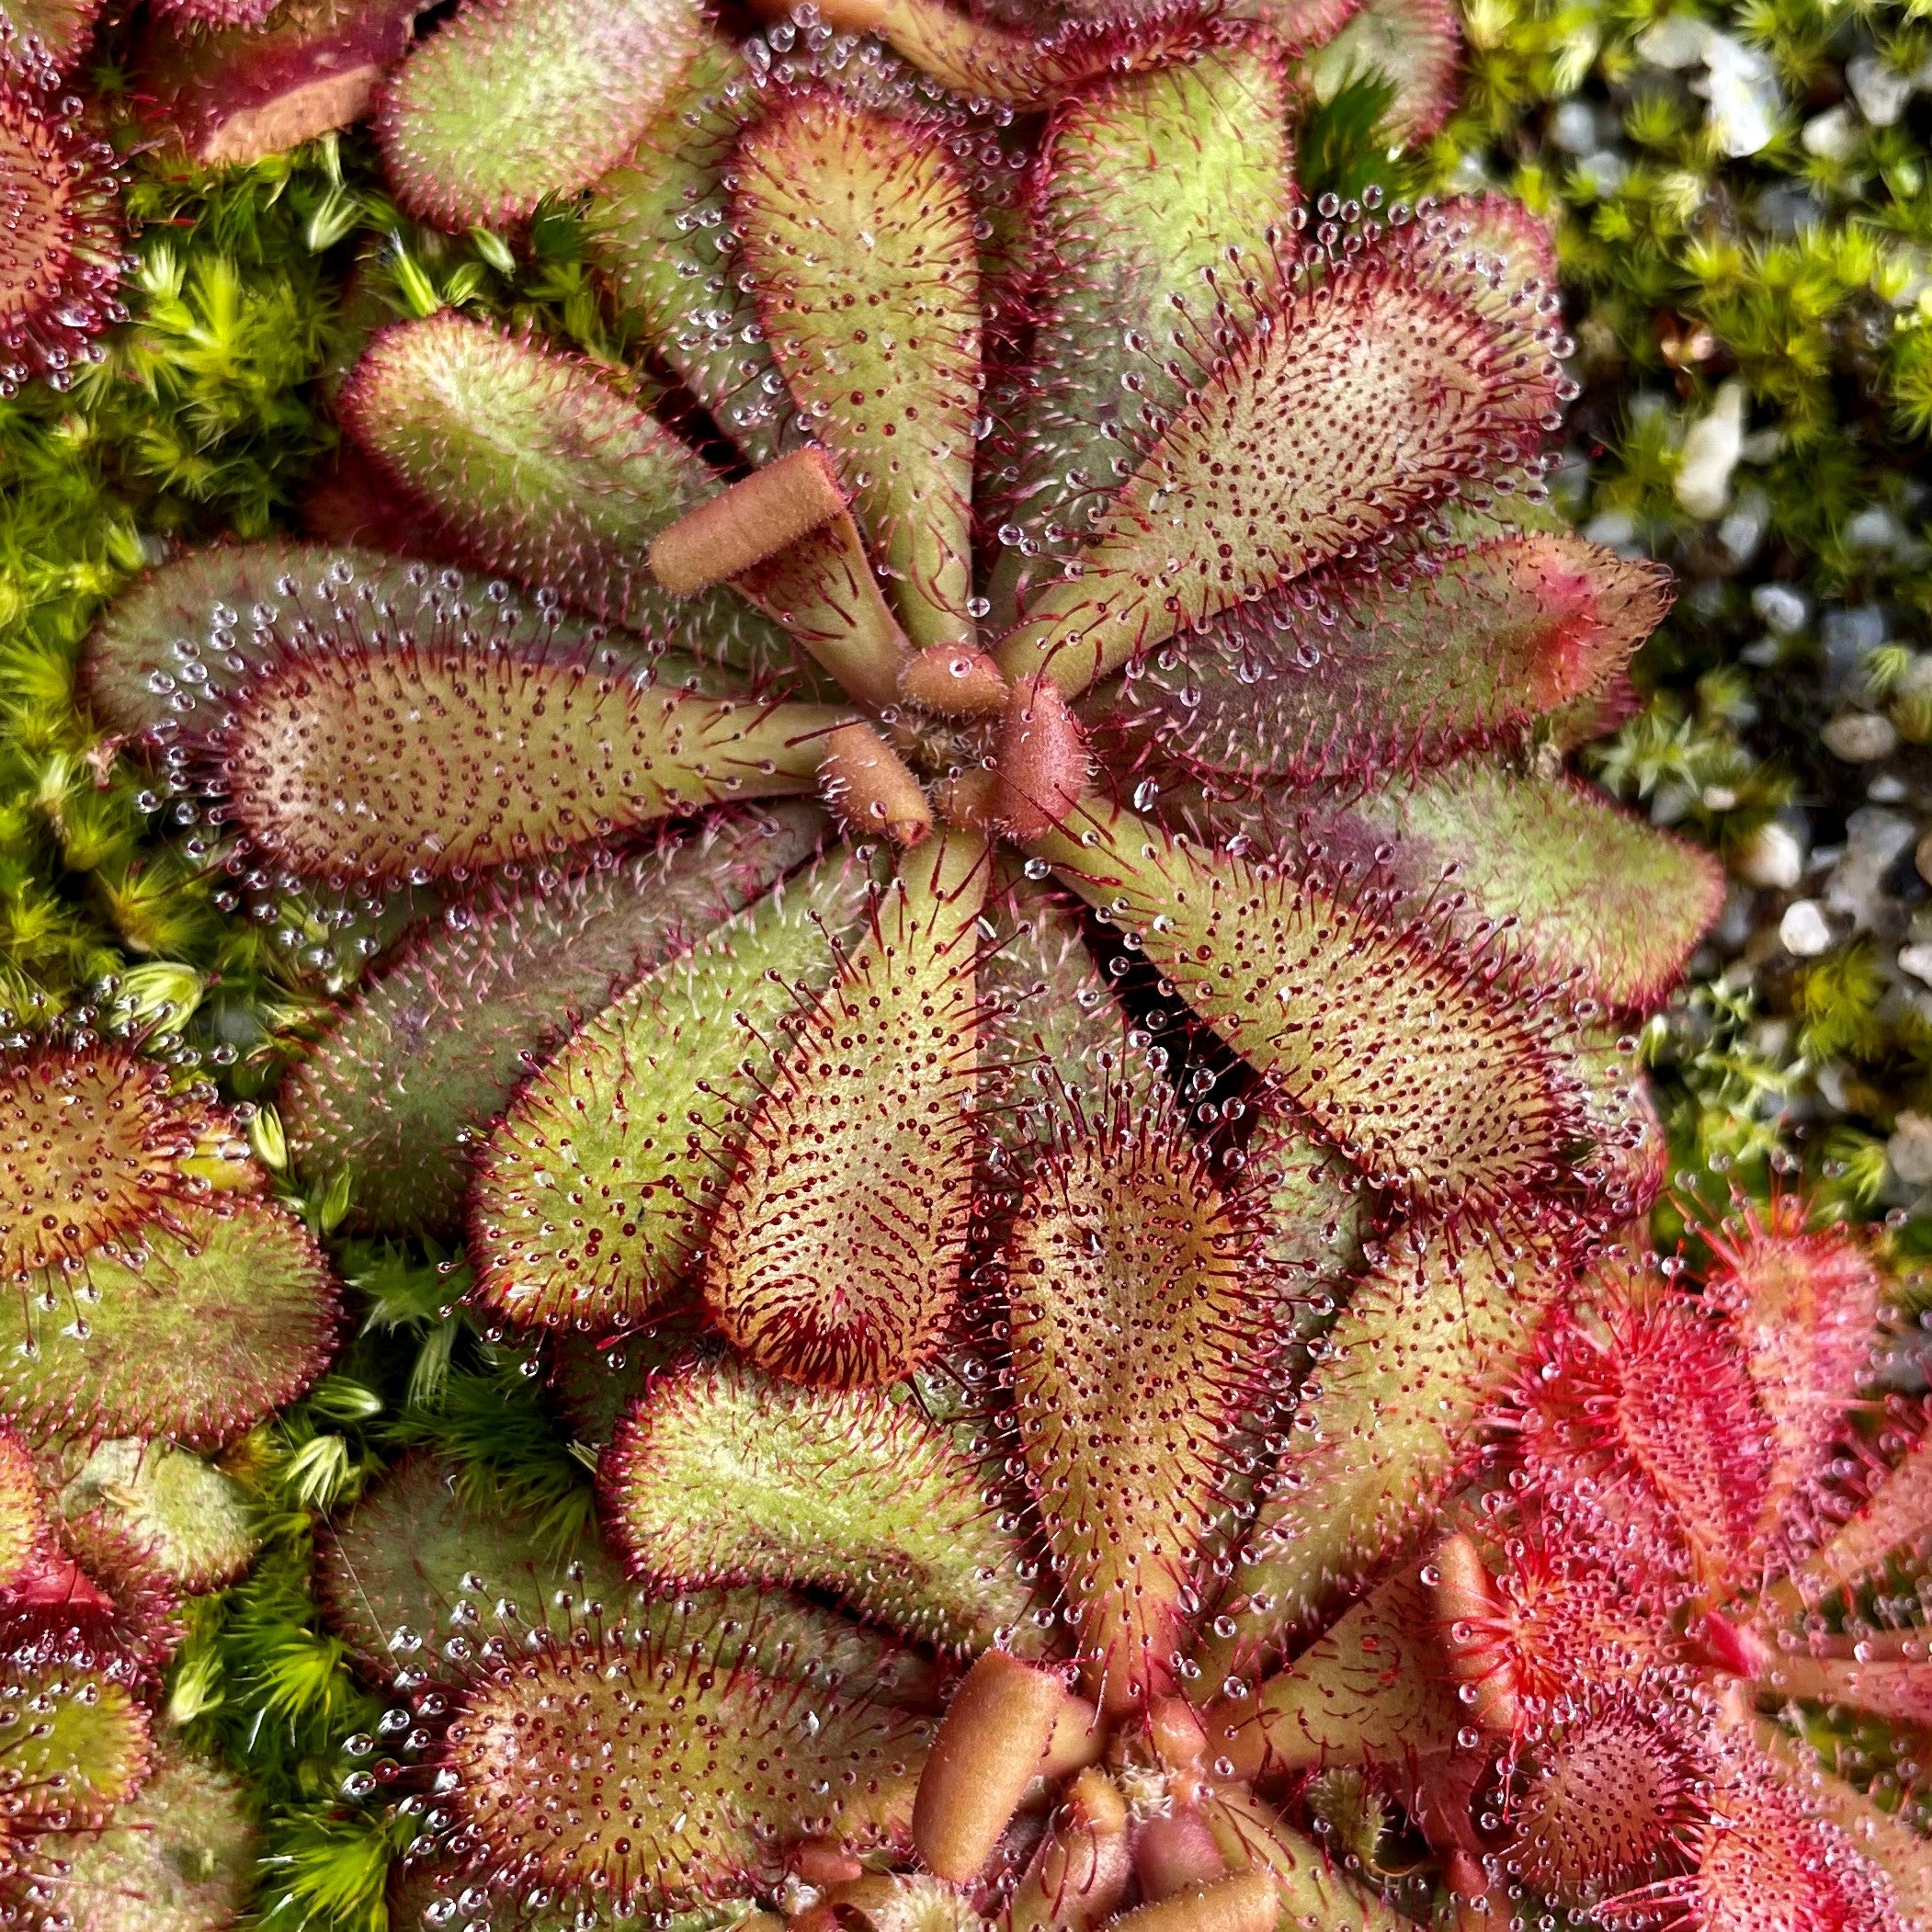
(515, 100)
(216, 1327)
(535, 466)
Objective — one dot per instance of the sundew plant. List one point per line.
(901, 1180)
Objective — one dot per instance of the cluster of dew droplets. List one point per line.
(329, 928)
(61, 257)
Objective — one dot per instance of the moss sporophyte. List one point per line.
(1013, 1007)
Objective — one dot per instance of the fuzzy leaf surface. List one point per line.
(659, 231)
(1593, 889)
(537, 467)
(1366, 398)
(1426, 1077)
(1136, 1329)
(439, 1038)
(723, 1474)
(91, 1146)
(1427, 1340)
(1348, 678)
(386, 764)
(596, 1192)
(1145, 185)
(837, 1244)
(512, 101)
(642, 1766)
(219, 1324)
(859, 233)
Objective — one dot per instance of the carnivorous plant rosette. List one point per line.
(160, 1306)
(1038, 553)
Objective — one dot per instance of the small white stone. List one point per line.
(1917, 961)
(1859, 737)
(1772, 857)
(1710, 451)
(1675, 43)
(1746, 99)
(1612, 529)
(1874, 528)
(1910, 1150)
(1574, 127)
(1781, 608)
(1804, 932)
(1603, 172)
(1881, 92)
(1832, 136)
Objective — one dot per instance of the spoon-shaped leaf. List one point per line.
(595, 1193)
(440, 1036)
(1138, 1325)
(858, 230)
(721, 1474)
(836, 1253)
(1428, 1079)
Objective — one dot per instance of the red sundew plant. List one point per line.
(1020, 1008)
(61, 257)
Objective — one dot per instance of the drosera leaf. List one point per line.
(1371, 1689)
(23, 1511)
(1145, 185)
(182, 641)
(536, 465)
(858, 231)
(177, 1857)
(193, 1335)
(595, 1193)
(241, 93)
(1894, 1521)
(192, 1522)
(659, 229)
(1428, 1338)
(436, 1041)
(1355, 402)
(973, 56)
(512, 101)
(1434, 1082)
(1415, 45)
(1578, 885)
(701, 1778)
(836, 1251)
(721, 1474)
(1052, 1038)
(91, 1147)
(412, 1577)
(57, 31)
(1351, 676)
(1805, 1308)
(74, 1745)
(1139, 1320)
(410, 762)
(1315, 1221)
(1254, 1836)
